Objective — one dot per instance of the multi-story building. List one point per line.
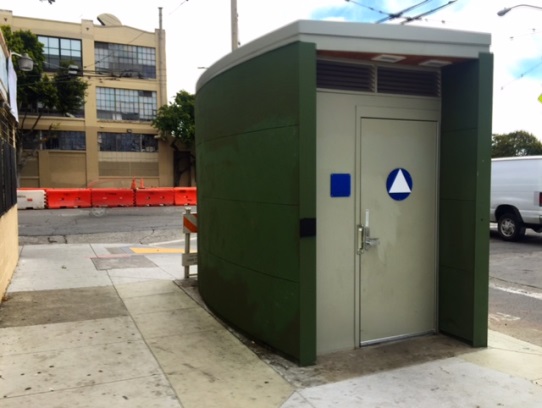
(111, 141)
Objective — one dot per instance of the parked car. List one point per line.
(516, 195)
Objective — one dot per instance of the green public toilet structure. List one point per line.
(343, 186)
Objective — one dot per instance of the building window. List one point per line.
(125, 104)
(39, 109)
(65, 140)
(54, 140)
(125, 60)
(127, 142)
(60, 51)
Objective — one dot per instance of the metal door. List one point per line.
(397, 233)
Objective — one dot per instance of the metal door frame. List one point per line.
(398, 113)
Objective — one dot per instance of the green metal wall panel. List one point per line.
(481, 278)
(264, 307)
(307, 202)
(255, 144)
(464, 199)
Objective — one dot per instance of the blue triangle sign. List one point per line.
(399, 184)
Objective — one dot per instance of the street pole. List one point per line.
(188, 210)
(234, 26)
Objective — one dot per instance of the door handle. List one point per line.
(361, 239)
(365, 242)
(368, 241)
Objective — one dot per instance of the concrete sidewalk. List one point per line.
(106, 325)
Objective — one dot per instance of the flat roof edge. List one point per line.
(358, 37)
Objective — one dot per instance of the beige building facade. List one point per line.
(111, 141)
(9, 226)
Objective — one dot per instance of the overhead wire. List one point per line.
(400, 14)
(420, 17)
(531, 33)
(409, 19)
(132, 40)
(368, 7)
(393, 16)
(522, 75)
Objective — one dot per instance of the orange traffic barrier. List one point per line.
(68, 198)
(192, 195)
(112, 197)
(185, 195)
(154, 196)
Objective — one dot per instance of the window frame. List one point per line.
(127, 142)
(125, 60)
(54, 61)
(125, 104)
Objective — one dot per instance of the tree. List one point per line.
(176, 124)
(519, 143)
(37, 91)
(176, 119)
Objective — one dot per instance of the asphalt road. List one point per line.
(515, 294)
(130, 224)
(515, 287)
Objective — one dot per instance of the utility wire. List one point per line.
(522, 75)
(393, 16)
(400, 14)
(112, 54)
(419, 16)
(368, 7)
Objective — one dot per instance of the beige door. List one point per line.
(398, 198)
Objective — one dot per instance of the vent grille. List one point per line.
(349, 77)
(408, 82)
(382, 79)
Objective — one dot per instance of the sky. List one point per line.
(198, 33)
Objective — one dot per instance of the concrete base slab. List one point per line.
(47, 267)
(218, 371)
(510, 356)
(61, 336)
(171, 264)
(55, 306)
(145, 288)
(122, 262)
(38, 372)
(138, 339)
(162, 302)
(119, 276)
(175, 322)
(447, 383)
(148, 392)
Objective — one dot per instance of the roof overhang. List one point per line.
(363, 41)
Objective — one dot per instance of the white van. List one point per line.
(516, 195)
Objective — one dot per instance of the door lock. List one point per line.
(368, 241)
(365, 242)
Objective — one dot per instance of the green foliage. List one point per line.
(519, 143)
(29, 85)
(36, 90)
(176, 119)
(70, 90)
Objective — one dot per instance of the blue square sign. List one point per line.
(340, 185)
